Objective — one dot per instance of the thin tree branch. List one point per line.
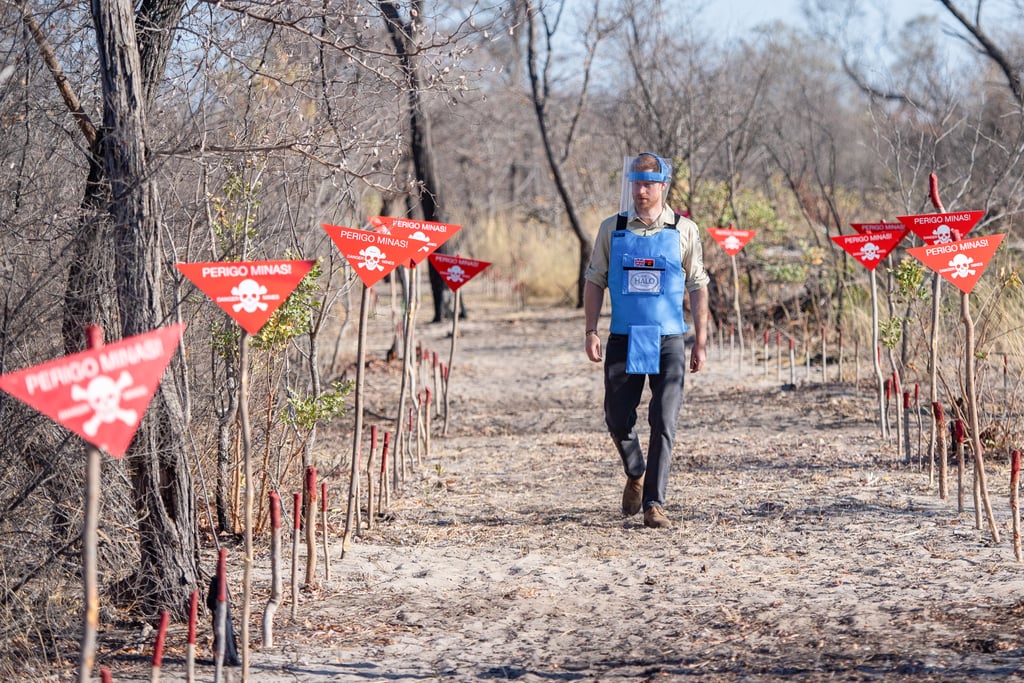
(68, 94)
(990, 49)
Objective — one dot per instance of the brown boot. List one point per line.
(654, 518)
(632, 496)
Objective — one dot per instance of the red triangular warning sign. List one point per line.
(871, 247)
(426, 234)
(940, 228)
(248, 291)
(881, 226)
(100, 394)
(961, 263)
(731, 239)
(455, 270)
(373, 255)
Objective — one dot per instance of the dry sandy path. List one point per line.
(801, 550)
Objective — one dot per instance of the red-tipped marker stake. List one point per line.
(274, 601)
(190, 646)
(158, 648)
(220, 618)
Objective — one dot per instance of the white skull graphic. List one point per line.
(870, 252)
(732, 243)
(372, 257)
(104, 397)
(961, 266)
(249, 293)
(942, 234)
(456, 274)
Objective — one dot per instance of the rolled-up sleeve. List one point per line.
(597, 269)
(693, 256)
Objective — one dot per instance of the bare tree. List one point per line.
(164, 497)
(406, 35)
(115, 275)
(542, 23)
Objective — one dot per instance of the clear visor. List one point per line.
(630, 177)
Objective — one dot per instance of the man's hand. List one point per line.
(593, 346)
(699, 311)
(698, 354)
(593, 296)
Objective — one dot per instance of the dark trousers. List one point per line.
(622, 394)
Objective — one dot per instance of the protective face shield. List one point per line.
(631, 175)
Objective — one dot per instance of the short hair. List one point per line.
(646, 161)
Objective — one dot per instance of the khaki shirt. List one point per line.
(690, 248)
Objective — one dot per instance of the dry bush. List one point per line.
(42, 493)
(543, 257)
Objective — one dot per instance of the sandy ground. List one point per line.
(801, 548)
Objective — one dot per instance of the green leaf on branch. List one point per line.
(295, 316)
(305, 413)
(909, 276)
(890, 331)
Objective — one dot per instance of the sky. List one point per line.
(745, 14)
(878, 31)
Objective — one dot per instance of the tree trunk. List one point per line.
(403, 38)
(164, 497)
(538, 89)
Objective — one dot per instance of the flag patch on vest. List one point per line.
(643, 274)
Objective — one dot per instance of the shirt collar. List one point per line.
(663, 219)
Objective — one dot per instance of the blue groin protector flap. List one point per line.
(643, 355)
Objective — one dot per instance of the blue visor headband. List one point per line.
(659, 176)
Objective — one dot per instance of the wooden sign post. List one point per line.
(249, 292)
(869, 249)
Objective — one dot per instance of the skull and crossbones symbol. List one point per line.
(456, 274)
(870, 251)
(961, 266)
(732, 243)
(104, 395)
(942, 234)
(372, 257)
(249, 293)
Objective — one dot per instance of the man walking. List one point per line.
(647, 257)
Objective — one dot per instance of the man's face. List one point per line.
(647, 196)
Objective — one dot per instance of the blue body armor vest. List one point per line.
(646, 281)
